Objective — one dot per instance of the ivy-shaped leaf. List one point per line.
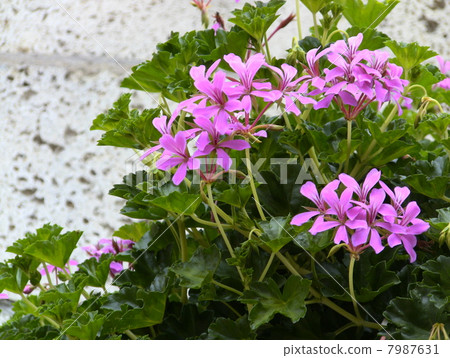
(268, 300)
(56, 250)
(225, 328)
(277, 232)
(256, 20)
(85, 326)
(133, 308)
(200, 268)
(410, 55)
(369, 14)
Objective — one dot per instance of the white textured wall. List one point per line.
(57, 74)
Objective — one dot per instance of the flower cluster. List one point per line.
(360, 216)
(359, 77)
(225, 103)
(109, 246)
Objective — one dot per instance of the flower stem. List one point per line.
(266, 42)
(313, 155)
(184, 253)
(357, 168)
(297, 16)
(252, 184)
(286, 120)
(221, 230)
(351, 269)
(349, 144)
(48, 275)
(226, 287)
(130, 334)
(316, 30)
(327, 302)
(269, 262)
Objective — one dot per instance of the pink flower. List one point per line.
(210, 141)
(365, 222)
(287, 89)
(4, 296)
(115, 268)
(310, 191)
(372, 178)
(163, 127)
(405, 228)
(176, 154)
(359, 78)
(246, 72)
(444, 66)
(339, 207)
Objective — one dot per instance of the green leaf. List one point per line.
(369, 14)
(373, 39)
(432, 178)
(315, 5)
(410, 55)
(437, 274)
(27, 327)
(133, 308)
(214, 46)
(256, 20)
(314, 243)
(268, 300)
(133, 231)
(237, 195)
(125, 128)
(42, 234)
(200, 268)
(178, 203)
(85, 326)
(12, 278)
(63, 292)
(277, 232)
(97, 271)
(393, 151)
(225, 328)
(413, 318)
(168, 70)
(56, 249)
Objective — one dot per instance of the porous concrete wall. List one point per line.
(61, 62)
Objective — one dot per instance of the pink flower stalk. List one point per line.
(4, 296)
(444, 66)
(338, 207)
(359, 78)
(366, 221)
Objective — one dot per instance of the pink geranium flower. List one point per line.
(287, 89)
(444, 66)
(366, 221)
(175, 154)
(4, 296)
(210, 141)
(247, 85)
